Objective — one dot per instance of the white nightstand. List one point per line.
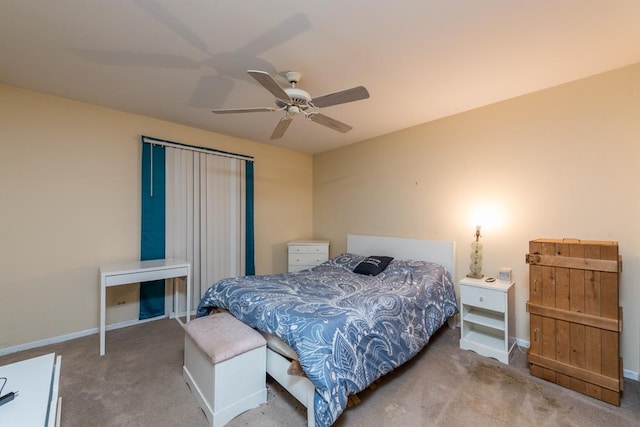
(307, 254)
(487, 317)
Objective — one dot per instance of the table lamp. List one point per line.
(476, 257)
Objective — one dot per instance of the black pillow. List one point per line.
(373, 265)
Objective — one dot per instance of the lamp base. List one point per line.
(475, 275)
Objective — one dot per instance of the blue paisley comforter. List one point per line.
(347, 329)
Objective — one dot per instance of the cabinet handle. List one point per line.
(535, 286)
(535, 335)
(481, 299)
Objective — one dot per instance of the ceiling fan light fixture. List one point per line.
(293, 109)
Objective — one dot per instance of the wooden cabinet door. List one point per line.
(575, 319)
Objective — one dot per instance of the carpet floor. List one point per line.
(139, 383)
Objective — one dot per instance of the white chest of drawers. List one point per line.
(305, 254)
(487, 318)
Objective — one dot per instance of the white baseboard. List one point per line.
(74, 335)
(630, 374)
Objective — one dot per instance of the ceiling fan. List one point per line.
(293, 100)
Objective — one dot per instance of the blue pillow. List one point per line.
(373, 265)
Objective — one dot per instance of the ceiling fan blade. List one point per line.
(281, 127)
(348, 95)
(327, 121)
(269, 83)
(243, 110)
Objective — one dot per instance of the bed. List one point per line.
(345, 329)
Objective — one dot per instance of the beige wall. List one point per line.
(70, 201)
(558, 163)
(563, 162)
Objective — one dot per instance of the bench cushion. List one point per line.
(221, 336)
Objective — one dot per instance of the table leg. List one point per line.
(188, 293)
(176, 301)
(103, 302)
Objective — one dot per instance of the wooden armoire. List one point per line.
(575, 317)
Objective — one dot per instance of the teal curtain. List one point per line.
(152, 239)
(250, 263)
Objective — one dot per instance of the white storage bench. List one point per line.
(225, 366)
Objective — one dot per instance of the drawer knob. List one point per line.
(481, 299)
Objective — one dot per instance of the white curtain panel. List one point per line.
(205, 216)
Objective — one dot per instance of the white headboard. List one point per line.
(439, 251)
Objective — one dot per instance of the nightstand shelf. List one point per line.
(484, 338)
(487, 318)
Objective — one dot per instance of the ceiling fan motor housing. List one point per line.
(298, 97)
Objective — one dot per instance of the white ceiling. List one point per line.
(420, 60)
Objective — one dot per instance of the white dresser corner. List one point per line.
(304, 254)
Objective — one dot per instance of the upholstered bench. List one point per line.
(224, 366)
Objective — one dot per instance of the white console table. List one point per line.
(142, 271)
(36, 380)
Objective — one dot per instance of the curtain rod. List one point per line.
(156, 141)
